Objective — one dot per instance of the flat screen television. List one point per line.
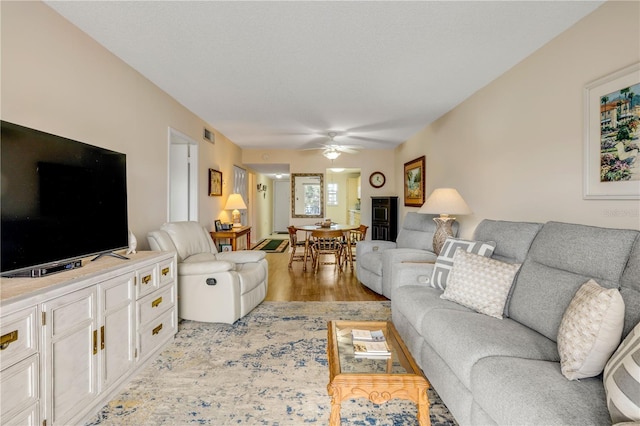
(61, 200)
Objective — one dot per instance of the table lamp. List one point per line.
(235, 203)
(445, 202)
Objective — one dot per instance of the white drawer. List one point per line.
(156, 333)
(153, 305)
(19, 387)
(19, 336)
(167, 272)
(28, 417)
(146, 280)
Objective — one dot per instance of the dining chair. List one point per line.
(298, 248)
(326, 243)
(354, 236)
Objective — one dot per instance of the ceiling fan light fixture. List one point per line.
(331, 154)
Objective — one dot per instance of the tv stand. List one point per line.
(116, 255)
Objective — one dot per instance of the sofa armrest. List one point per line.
(411, 273)
(392, 258)
(241, 256)
(364, 247)
(204, 268)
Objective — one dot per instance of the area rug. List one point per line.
(272, 246)
(269, 368)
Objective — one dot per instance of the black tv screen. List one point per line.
(61, 199)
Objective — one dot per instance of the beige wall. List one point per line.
(57, 79)
(514, 149)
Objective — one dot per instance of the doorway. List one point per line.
(183, 178)
(281, 205)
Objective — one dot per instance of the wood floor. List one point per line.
(327, 285)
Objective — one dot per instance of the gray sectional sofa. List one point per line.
(507, 371)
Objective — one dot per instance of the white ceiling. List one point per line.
(272, 74)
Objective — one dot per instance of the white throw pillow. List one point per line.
(480, 283)
(590, 330)
(622, 380)
(444, 262)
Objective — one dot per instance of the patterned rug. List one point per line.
(269, 368)
(272, 246)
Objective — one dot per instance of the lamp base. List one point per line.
(443, 231)
(235, 215)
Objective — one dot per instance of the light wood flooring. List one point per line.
(327, 285)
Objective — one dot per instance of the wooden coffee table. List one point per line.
(379, 380)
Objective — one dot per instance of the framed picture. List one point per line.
(414, 182)
(225, 247)
(218, 225)
(611, 136)
(215, 183)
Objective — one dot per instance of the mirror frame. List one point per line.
(294, 176)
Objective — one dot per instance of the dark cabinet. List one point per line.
(384, 218)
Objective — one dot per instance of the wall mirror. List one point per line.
(307, 195)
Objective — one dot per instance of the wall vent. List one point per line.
(209, 136)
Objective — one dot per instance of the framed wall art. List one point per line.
(611, 136)
(215, 183)
(414, 182)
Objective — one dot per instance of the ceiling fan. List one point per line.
(332, 150)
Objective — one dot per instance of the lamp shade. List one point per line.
(235, 202)
(445, 201)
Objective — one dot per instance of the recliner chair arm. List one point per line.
(204, 268)
(373, 245)
(241, 256)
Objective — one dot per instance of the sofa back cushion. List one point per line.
(512, 239)
(417, 231)
(630, 289)
(562, 257)
(189, 238)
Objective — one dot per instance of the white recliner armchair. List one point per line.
(212, 286)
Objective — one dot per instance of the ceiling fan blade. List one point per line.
(347, 150)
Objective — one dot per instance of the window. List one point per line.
(332, 194)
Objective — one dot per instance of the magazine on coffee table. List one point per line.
(368, 335)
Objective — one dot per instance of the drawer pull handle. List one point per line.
(157, 329)
(156, 302)
(146, 279)
(165, 271)
(8, 338)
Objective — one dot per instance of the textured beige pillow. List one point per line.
(480, 283)
(590, 330)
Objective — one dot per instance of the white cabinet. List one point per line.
(70, 354)
(74, 339)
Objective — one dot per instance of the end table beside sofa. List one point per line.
(508, 371)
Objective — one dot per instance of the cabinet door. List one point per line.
(70, 354)
(117, 332)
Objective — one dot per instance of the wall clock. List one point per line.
(377, 179)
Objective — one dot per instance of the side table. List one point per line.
(233, 235)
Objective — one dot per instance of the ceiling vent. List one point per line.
(209, 136)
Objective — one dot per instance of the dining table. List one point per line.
(307, 229)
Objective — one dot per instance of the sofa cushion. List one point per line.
(622, 380)
(590, 330)
(463, 338)
(630, 288)
(415, 302)
(444, 262)
(480, 283)
(519, 391)
(563, 257)
(417, 231)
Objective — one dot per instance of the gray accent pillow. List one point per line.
(444, 262)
